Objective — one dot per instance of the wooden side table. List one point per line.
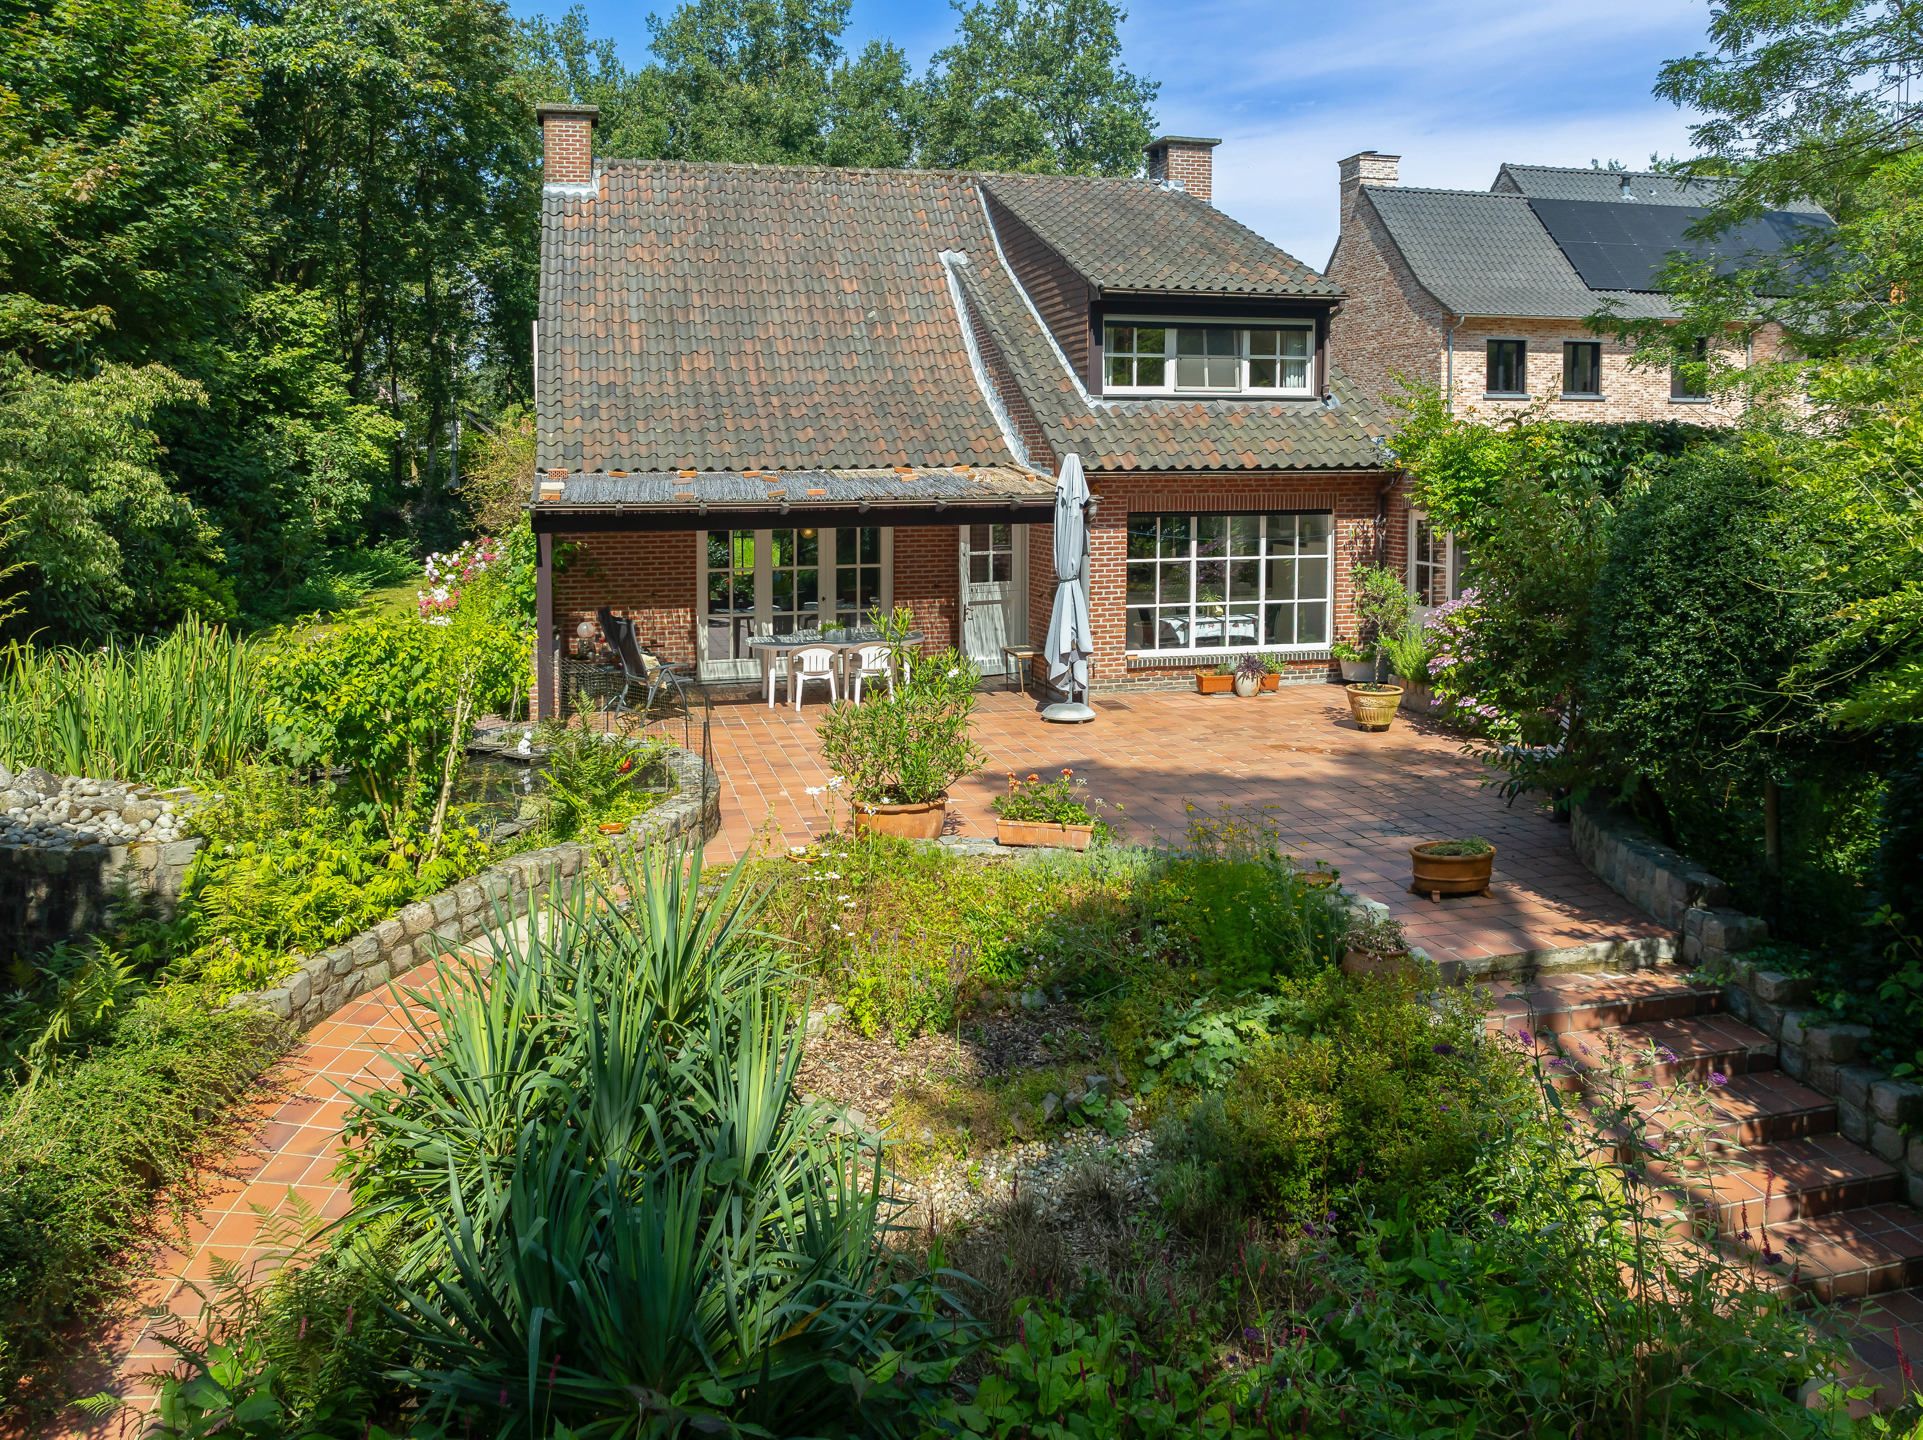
(1018, 659)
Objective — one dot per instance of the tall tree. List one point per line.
(1036, 85)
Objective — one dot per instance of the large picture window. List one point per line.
(1160, 358)
(758, 582)
(1229, 582)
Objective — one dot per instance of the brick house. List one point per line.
(773, 397)
(1485, 294)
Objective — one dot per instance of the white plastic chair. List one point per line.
(817, 662)
(870, 661)
(772, 669)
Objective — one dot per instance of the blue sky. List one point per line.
(1453, 86)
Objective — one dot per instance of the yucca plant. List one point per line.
(622, 1218)
(182, 708)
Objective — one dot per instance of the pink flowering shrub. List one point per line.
(448, 573)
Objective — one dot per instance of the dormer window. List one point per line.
(1153, 357)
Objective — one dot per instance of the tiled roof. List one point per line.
(1138, 235)
(725, 319)
(762, 488)
(1649, 187)
(1485, 253)
(1173, 434)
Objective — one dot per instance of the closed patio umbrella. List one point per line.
(1071, 640)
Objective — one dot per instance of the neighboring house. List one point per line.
(1484, 293)
(774, 396)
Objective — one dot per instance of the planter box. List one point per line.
(1357, 672)
(904, 822)
(1362, 962)
(1271, 681)
(1374, 706)
(1418, 696)
(1207, 682)
(1449, 874)
(1043, 832)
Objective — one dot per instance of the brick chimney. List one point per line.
(1369, 167)
(1183, 162)
(567, 143)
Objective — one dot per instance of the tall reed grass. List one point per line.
(183, 708)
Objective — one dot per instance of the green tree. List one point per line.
(749, 80)
(1036, 85)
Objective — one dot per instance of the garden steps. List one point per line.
(1803, 1211)
(1588, 1000)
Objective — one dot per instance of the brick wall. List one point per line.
(1389, 327)
(648, 578)
(1354, 500)
(1187, 163)
(1628, 394)
(928, 580)
(567, 144)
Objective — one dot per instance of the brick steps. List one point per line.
(1754, 1157)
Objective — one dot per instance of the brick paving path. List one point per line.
(1355, 799)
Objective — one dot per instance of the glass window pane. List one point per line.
(1191, 340)
(1211, 534)
(1245, 535)
(1151, 340)
(1242, 625)
(977, 538)
(718, 590)
(1211, 580)
(717, 549)
(1120, 337)
(1175, 535)
(1191, 373)
(1312, 623)
(1264, 374)
(1141, 628)
(1314, 530)
(1296, 341)
(1141, 584)
(977, 568)
(1280, 629)
(1245, 578)
(1141, 537)
(1151, 372)
(784, 589)
(1312, 578)
(1175, 582)
(1004, 565)
(1223, 374)
(1281, 534)
(847, 587)
(1295, 374)
(1172, 629)
(1120, 371)
(1265, 342)
(1281, 579)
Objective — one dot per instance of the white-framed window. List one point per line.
(1201, 583)
(757, 582)
(1158, 357)
(1435, 564)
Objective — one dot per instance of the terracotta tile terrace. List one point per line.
(1336, 793)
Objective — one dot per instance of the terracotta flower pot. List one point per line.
(1043, 832)
(921, 821)
(1367, 962)
(1374, 706)
(1207, 682)
(1271, 681)
(1437, 875)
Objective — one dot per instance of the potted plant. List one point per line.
(1044, 812)
(1374, 706)
(1383, 606)
(1408, 652)
(1376, 945)
(1357, 662)
(898, 754)
(1274, 667)
(1451, 867)
(1247, 675)
(1218, 681)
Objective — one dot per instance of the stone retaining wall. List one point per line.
(463, 913)
(72, 847)
(1873, 1109)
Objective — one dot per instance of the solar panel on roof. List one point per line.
(1621, 245)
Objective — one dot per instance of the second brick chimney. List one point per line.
(567, 143)
(1368, 167)
(1184, 162)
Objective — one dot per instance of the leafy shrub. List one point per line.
(1409, 651)
(1249, 919)
(1207, 1041)
(909, 747)
(186, 707)
(1369, 1089)
(602, 1162)
(83, 1151)
(594, 778)
(286, 871)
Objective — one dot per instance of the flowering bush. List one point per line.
(448, 573)
(909, 747)
(1044, 802)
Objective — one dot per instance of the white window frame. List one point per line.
(825, 563)
(1171, 325)
(1451, 563)
(1261, 602)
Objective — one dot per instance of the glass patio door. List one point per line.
(762, 582)
(994, 591)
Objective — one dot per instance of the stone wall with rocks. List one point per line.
(1873, 1109)
(70, 846)
(417, 933)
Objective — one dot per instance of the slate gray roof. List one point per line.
(1649, 187)
(726, 319)
(1135, 235)
(1171, 434)
(1482, 252)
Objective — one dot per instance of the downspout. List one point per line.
(1449, 370)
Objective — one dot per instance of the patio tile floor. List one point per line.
(1337, 793)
